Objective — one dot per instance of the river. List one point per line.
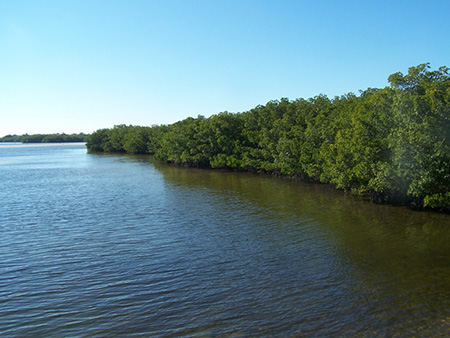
(119, 245)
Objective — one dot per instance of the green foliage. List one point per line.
(98, 140)
(391, 143)
(420, 141)
(45, 138)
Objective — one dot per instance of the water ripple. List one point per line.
(105, 246)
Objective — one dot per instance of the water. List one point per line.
(114, 245)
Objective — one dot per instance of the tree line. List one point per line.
(45, 138)
(392, 144)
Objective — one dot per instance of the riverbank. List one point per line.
(392, 144)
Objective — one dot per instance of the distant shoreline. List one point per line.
(39, 144)
(46, 138)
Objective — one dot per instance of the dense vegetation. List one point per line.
(45, 138)
(392, 144)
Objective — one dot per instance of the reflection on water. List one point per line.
(107, 245)
(398, 259)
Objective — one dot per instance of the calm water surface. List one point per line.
(108, 245)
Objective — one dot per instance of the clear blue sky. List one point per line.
(76, 66)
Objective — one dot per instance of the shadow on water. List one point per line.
(397, 258)
(326, 262)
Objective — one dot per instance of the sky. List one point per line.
(80, 65)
